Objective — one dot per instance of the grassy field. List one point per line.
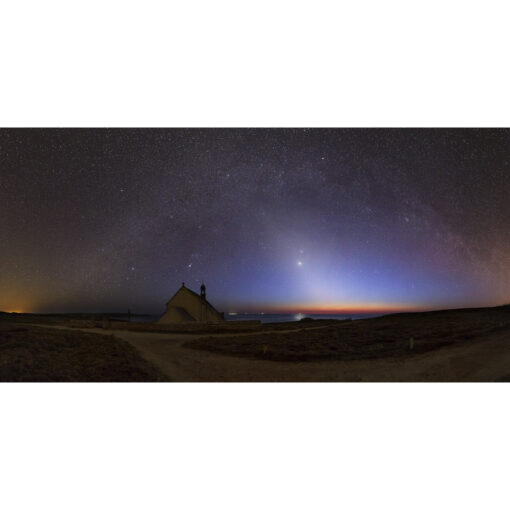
(33, 354)
(396, 336)
(450, 345)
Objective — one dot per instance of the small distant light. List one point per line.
(300, 263)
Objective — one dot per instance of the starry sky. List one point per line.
(273, 220)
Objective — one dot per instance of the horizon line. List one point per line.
(283, 311)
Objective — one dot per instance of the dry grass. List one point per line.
(47, 355)
(388, 336)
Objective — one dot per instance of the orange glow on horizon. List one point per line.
(16, 303)
(345, 308)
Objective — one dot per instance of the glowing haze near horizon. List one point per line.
(271, 219)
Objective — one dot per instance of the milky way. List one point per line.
(269, 219)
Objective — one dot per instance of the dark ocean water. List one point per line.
(280, 317)
(268, 317)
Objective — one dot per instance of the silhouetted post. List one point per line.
(129, 315)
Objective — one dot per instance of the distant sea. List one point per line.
(264, 318)
(283, 317)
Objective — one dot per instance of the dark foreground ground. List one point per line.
(450, 345)
(405, 335)
(33, 354)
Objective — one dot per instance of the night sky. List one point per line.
(298, 220)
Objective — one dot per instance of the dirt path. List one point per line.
(482, 360)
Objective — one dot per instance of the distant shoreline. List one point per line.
(246, 316)
(262, 317)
